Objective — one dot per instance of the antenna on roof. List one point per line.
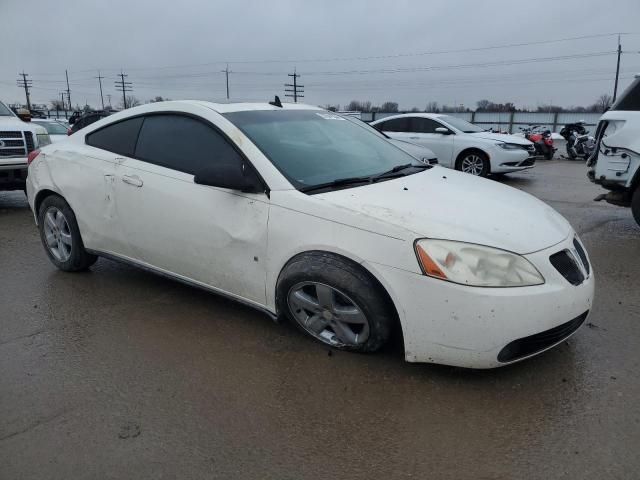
(276, 102)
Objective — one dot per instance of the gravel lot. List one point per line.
(117, 373)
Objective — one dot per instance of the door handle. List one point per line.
(134, 180)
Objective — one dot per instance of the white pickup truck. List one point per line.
(17, 140)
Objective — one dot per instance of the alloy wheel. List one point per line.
(473, 164)
(328, 314)
(57, 234)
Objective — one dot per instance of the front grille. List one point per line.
(566, 264)
(582, 254)
(4, 135)
(12, 144)
(28, 137)
(12, 152)
(526, 346)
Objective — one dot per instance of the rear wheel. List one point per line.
(336, 302)
(60, 236)
(635, 205)
(473, 162)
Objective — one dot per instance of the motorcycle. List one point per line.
(579, 143)
(542, 140)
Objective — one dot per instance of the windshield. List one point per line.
(313, 147)
(53, 128)
(460, 124)
(4, 111)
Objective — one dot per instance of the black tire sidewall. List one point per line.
(79, 259)
(348, 278)
(635, 205)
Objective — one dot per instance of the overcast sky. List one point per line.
(177, 49)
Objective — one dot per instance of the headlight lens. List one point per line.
(43, 139)
(475, 265)
(509, 146)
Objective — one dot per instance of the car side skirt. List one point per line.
(184, 280)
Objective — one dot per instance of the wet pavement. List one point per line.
(117, 373)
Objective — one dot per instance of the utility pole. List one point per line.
(68, 90)
(124, 87)
(100, 82)
(226, 71)
(294, 89)
(64, 104)
(26, 84)
(615, 88)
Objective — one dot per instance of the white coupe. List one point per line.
(295, 211)
(461, 145)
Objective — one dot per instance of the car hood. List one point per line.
(15, 123)
(441, 203)
(501, 137)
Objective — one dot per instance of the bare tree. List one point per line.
(432, 107)
(414, 110)
(57, 104)
(131, 102)
(391, 107)
(604, 102)
(483, 105)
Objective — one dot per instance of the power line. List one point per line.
(294, 89)
(379, 57)
(26, 84)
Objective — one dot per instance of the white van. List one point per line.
(615, 163)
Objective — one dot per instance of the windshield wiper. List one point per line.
(336, 183)
(395, 171)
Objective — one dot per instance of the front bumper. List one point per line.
(13, 173)
(504, 161)
(452, 324)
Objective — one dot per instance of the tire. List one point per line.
(635, 205)
(570, 153)
(315, 283)
(548, 155)
(60, 236)
(473, 162)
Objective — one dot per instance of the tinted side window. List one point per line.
(424, 125)
(183, 143)
(118, 137)
(397, 125)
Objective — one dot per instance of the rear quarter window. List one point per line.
(117, 137)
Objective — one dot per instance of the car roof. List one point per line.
(223, 107)
(416, 114)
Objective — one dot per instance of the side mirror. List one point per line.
(443, 131)
(231, 176)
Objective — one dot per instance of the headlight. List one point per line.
(475, 265)
(43, 139)
(509, 146)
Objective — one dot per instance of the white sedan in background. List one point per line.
(57, 130)
(461, 145)
(297, 212)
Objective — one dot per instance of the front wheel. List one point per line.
(476, 163)
(336, 302)
(548, 155)
(60, 236)
(570, 152)
(635, 205)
